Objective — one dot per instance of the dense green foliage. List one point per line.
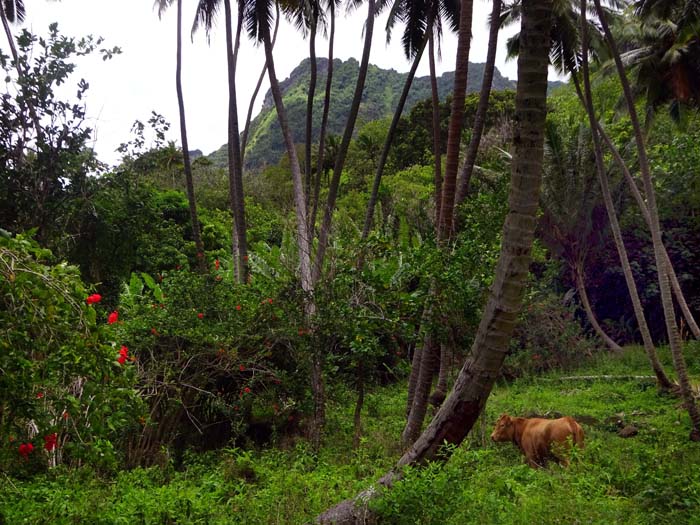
(649, 478)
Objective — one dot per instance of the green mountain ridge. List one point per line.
(382, 90)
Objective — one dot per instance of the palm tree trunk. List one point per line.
(454, 134)
(235, 165)
(437, 142)
(20, 74)
(664, 287)
(196, 235)
(675, 285)
(324, 120)
(426, 372)
(297, 182)
(462, 407)
(369, 216)
(249, 116)
(661, 377)
(480, 117)
(581, 288)
(310, 110)
(347, 136)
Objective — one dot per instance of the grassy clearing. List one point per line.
(653, 477)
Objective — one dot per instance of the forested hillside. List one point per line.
(379, 100)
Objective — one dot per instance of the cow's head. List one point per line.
(504, 429)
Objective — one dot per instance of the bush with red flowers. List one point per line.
(57, 356)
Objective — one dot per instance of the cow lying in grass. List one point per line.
(540, 439)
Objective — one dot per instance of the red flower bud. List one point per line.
(113, 317)
(246, 390)
(39, 395)
(200, 315)
(238, 307)
(241, 368)
(216, 264)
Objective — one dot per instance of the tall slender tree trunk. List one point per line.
(303, 241)
(310, 109)
(357, 434)
(249, 115)
(480, 117)
(324, 120)
(664, 286)
(369, 216)
(437, 142)
(429, 358)
(196, 235)
(675, 285)
(583, 295)
(297, 181)
(454, 134)
(465, 402)
(21, 74)
(347, 136)
(235, 164)
(662, 380)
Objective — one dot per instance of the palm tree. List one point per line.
(324, 233)
(465, 402)
(454, 133)
(320, 167)
(565, 55)
(664, 286)
(162, 5)
(480, 117)
(205, 15)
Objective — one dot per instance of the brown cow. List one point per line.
(535, 437)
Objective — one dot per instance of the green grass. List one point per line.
(651, 478)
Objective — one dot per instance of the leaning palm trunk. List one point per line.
(583, 295)
(675, 285)
(656, 366)
(345, 144)
(235, 163)
(664, 286)
(324, 121)
(465, 402)
(480, 117)
(388, 141)
(196, 234)
(454, 133)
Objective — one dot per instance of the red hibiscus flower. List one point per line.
(113, 317)
(94, 298)
(123, 355)
(50, 441)
(25, 449)
(39, 395)
(246, 390)
(200, 315)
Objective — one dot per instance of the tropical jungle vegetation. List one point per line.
(322, 321)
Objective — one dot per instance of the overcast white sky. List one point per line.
(142, 78)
